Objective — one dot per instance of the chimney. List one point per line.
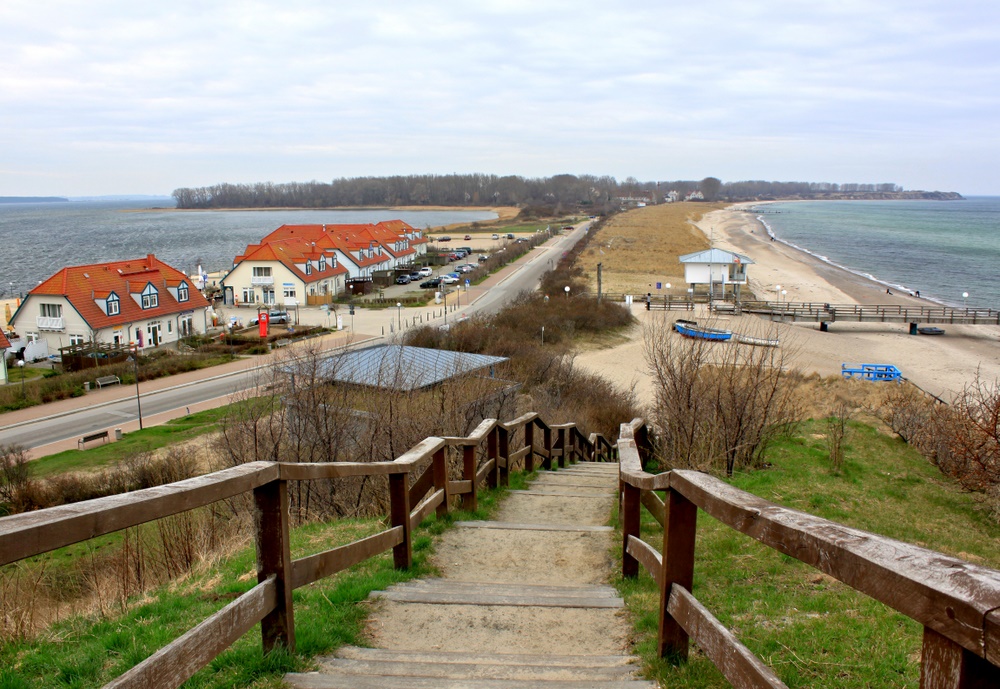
(150, 260)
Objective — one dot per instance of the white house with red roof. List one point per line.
(4, 346)
(295, 262)
(144, 302)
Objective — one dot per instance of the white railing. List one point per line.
(49, 323)
(262, 280)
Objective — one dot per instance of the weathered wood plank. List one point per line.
(514, 456)
(399, 517)
(647, 556)
(421, 451)
(308, 472)
(679, 531)
(459, 487)
(485, 470)
(421, 512)
(423, 484)
(946, 665)
(274, 560)
(175, 663)
(31, 533)
(652, 502)
(306, 570)
(944, 593)
(737, 664)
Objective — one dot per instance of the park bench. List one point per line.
(108, 380)
(99, 435)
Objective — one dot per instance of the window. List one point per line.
(322, 263)
(114, 306)
(76, 340)
(51, 310)
(182, 292)
(170, 326)
(262, 271)
(150, 297)
(309, 267)
(289, 292)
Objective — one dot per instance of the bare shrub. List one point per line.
(717, 405)
(836, 434)
(15, 477)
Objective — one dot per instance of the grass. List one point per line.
(88, 652)
(807, 626)
(152, 438)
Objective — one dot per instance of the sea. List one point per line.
(39, 239)
(943, 249)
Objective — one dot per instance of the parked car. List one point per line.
(464, 268)
(520, 240)
(466, 249)
(472, 266)
(468, 237)
(483, 258)
(431, 284)
(415, 275)
(426, 272)
(273, 317)
(403, 280)
(448, 279)
(496, 236)
(446, 238)
(510, 235)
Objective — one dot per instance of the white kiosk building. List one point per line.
(717, 269)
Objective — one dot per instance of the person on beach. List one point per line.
(888, 291)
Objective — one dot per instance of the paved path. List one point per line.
(522, 602)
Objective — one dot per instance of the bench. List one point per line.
(108, 380)
(99, 435)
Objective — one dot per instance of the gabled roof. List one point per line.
(81, 285)
(292, 253)
(715, 256)
(4, 342)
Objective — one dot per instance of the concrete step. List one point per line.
(316, 680)
(532, 527)
(447, 592)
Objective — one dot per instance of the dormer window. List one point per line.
(182, 292)
(309, 267)
(322, 263)
(150, 297)
(113, 304)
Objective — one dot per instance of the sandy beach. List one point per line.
(941, 365)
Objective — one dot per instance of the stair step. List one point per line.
(495, 670)
(315, 680)
(532, 527)
(505, 589)
(561, 494)
(526, 659)
(521, 600)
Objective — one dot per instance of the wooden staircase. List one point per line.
(512, 605)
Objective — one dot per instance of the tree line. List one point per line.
(566, 191)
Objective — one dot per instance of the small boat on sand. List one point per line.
(930, 330)
(757, 341)
(692, 329)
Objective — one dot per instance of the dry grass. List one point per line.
(640, 247)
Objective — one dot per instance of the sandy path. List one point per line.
(495, 557)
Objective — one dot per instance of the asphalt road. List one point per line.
(77, 423)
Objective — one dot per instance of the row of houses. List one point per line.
(146, 303)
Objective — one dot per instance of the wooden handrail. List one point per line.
(957, 602)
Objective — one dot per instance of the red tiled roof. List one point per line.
(80, 285)
(292, 253)
(4, 342)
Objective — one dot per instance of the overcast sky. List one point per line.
(125, 97)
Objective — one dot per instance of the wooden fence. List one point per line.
(957, 602)
(420, 482)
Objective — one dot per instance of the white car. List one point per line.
(449, 279)
(426, 272)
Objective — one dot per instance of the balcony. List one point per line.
(262, 280)
(49, 323)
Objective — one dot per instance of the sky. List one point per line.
(119, 97)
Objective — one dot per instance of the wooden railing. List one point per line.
(419, 483)
(957, 602)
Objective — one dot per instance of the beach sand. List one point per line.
(941, 365)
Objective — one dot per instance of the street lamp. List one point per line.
(138, 402)
(20, 364)
(567, 291)
(399, 316)
(777, 293)
(784, 295)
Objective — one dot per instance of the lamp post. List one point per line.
(138, 402)
(399, 315)
(667, 298)
(444, 298)
(777, 293)
(567, 291)
(784, 295)
(20, 365)
(965, 302)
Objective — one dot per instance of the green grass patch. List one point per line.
(811, 629)
(152, 438)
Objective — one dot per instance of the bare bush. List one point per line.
(836, 434)
(717, 405)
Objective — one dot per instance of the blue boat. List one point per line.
(692, 329)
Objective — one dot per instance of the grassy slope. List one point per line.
(812, 630)
(88, 652)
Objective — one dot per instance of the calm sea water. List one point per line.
(38, 239)
(941, 248)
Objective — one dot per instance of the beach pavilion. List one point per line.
(717, 269)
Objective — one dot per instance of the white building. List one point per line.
(717, 269)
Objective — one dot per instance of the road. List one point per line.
(53, 426)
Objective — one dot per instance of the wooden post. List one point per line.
(946, 665)
(503, 453)
(440, 472)
(680, 520)
(399, 515)
(491, 453)
(547, 444)
(470, 501)
(274, 559)
(571, 439)
(630, 512)
(529, 441)
(562, 447)
(642, 444)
